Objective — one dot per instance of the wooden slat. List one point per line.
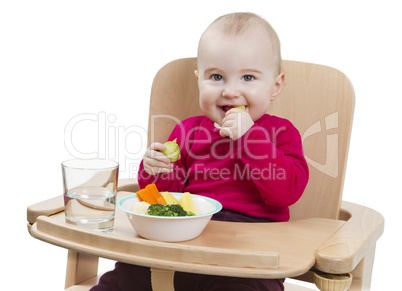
(162, 280)
(80, 267)
(85, 285)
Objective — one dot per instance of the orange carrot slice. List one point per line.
(140, 196)
(155, 192)
(148, 196)
(161, 200)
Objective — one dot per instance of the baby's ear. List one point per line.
(196, 74)
(278, 85)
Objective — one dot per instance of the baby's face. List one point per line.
(235, 71)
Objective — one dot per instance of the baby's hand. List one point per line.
(236, 123)
(155, 162)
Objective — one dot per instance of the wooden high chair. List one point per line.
(325, 237)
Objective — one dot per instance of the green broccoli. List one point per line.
(176, 208)
(155, 209)
(169, 213)
(171, 210)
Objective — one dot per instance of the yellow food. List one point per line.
(169, 198)
(187, 203)
(242, 107)
(172, 150)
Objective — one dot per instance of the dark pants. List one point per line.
(130, 277)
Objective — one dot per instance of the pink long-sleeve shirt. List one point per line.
(261, 174)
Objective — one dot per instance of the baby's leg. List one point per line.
(198, 282)
(125, 277)
(130, 277)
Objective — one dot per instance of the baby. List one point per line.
(250, 161)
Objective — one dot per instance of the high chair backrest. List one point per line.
(317, 99)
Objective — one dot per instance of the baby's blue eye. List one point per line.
(248, 78)
(216, 77)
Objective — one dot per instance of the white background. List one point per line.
(93, 61)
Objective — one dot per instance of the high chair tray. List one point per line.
(224, 248)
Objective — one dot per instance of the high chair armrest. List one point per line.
(342, 252)
(47, 208)
(56, 204)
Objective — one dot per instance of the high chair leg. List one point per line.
(162, 280)
(80, 267)
(363, 272)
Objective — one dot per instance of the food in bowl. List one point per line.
(154, 202)
(151, 195)
(141, 207)
(187, 203)
(170, 229)
(169, 198)
(171, 210)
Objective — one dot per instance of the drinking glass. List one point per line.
(90, 187)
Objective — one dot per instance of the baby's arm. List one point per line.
(157, 168)
(277, 164)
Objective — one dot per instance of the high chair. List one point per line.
(327, 240)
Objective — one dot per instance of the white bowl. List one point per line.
(171, 229)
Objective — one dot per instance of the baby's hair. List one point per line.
(237, 23)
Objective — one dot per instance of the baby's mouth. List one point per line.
(226, 108)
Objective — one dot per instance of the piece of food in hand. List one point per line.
(187, 203)
(172, 150)
(169, 198)
(242, 107)
(140, 207)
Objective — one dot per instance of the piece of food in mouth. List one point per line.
(172, 150)
(226, 108)
(242, 107)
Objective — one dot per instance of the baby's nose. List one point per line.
(230, 91)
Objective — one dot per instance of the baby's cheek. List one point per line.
(256, 114)
(204, 106)
(206, 103)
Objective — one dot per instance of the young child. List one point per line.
(250, 161)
